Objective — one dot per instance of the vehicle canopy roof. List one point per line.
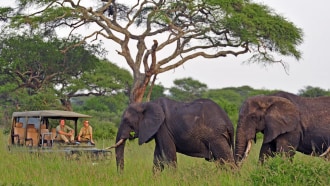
(50, 114)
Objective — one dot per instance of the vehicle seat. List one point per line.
(19, 124)
(19, 133)
(43, 126)
(31, 136)
(30, 126)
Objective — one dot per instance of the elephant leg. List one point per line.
(164, 154)
(267, 150)
(158, 162)
(219, 150)
(287, 144)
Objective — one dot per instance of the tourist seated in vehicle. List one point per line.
(65, 132)
(86, 133)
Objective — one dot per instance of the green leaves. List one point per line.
(4, 12)
(264, 29)
(187, 89)
(310, 91)
(104, 79)
(132, 133)
(282, 171)
(37, 67)
(54, 15)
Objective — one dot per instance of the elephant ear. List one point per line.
(282, 116)
(153, 117)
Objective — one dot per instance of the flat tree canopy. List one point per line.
(169, 32)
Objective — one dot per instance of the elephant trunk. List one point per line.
(242, 146)
(119, 149)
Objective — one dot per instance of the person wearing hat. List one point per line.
(86, 133)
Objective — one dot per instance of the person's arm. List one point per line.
(91, 133)
(71, 131)
(66, 128)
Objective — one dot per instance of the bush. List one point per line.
(301, 171)
(104, 130)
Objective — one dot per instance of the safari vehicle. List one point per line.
(35, 131)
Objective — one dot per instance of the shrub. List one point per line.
(301, 171)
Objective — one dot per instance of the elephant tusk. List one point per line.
(248, 148)
(326, 152)
(117, 144)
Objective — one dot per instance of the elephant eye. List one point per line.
(254, 117)
(127, 121)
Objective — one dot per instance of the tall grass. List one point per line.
(25, 168)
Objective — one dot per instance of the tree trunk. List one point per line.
(142, 80)
(138, 88)
(66, 103)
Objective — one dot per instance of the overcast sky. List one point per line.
(312, 70)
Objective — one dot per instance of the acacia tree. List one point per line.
(181, 30)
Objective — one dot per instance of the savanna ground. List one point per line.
(56, 169)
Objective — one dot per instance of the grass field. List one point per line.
(54, 169)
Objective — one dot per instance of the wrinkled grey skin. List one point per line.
(198, 129)
(289, 123)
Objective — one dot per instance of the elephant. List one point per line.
(289, 123)
(200, 128)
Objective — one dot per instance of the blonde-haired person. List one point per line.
(86, 133)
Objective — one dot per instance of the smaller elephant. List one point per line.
(198, 129)
(289, 123)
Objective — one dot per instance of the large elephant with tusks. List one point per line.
(198, 129)
(289, 123)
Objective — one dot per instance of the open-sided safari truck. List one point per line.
(35, 131)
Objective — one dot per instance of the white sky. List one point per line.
(312, 70)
